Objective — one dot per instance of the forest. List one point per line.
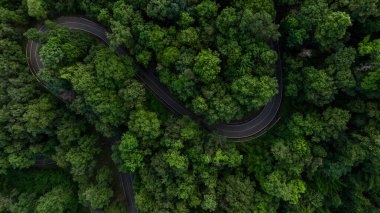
(70, 129)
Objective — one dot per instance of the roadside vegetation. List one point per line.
(217, 58)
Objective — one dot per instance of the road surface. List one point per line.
(250, 127)
(125, 179)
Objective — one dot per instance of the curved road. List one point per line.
(251, 127)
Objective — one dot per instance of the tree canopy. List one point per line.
(66, 136)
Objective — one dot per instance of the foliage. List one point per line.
(128, 155)
(372, 49)
(37, 8)
(207, 66)
(254, 93)
(197, 43)
(218, 58)
(144, 124)
(57, 200)
(174, 159)
(332, 29)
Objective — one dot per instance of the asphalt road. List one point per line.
(127, 184)
(42, 162)
(249, 127)
(125, 179)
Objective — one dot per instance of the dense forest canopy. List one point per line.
(217, 57)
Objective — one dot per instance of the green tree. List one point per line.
(296, 34)
(342, 62)
(40, 114)
(81, 157)
(221, 105)
(311, 13)
(185, 19)
(252, 92)
(164, 9)
(130, 156)
(51, 55)
(190, 170)
(133, 94)
(335, 122)
(184, 85)
(370, 48)
(112, 71)
(236, 194)
(259, 25)
(227, 19)
(144, 124)
(24, 203)
(288, 190)
(207, 65)
(199, 105)
(319, 86)
(59, 199)
(169, 56)
(37, 8)
(189, 37)
(362, 10)
(332, 29)
(207, 9)
(97, 196)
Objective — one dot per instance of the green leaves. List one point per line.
(81, 157)
(37, 8)
(61, 46)
(227, 19)
(363, 9)
(207, 9)
(254, 93)
(144, 124)
(371, 48)
(51, 55)
(164, 9)
(237, 194)
(207, 65)
(59, 199)
(169, 56)
(133, 94)
(97, 196)
(183, 169)
(319, 86)
(40, 115)
(198, 43)
(332, 29)
(333, 122)
(288, 190)
(259, 25)
(111, 70)
(189, 37)
(130, 156)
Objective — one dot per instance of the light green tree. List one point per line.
(207, 65)
(253, 92)
(332, 29)
(37, 8)
(144, 124)
(58, 200)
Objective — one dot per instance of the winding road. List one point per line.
(250, 127)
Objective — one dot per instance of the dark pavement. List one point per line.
(251, 126)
